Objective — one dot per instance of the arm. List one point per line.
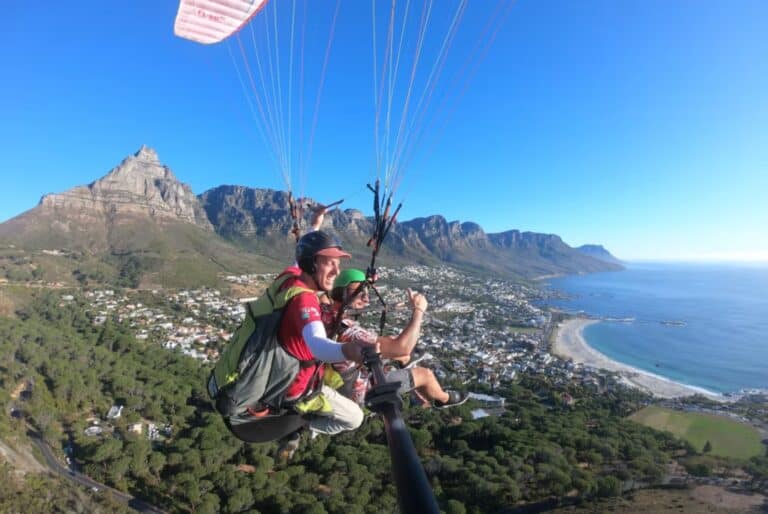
(304, 333)
(318, 216)
(322, 348)
(328, 350)
(403, 344)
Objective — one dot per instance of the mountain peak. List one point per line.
(134, 171)
(147, 154)
(139, 186)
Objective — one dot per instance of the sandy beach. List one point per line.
(569, 343)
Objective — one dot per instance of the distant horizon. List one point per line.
(754, 260)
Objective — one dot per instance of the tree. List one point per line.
(240, 500)
(608, 487)
(110, 449)
(699, 470)
(455, 507)
(156, 463)
(209, 505)
(421, 439)
(707, 447)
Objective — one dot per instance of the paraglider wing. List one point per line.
(211, 21)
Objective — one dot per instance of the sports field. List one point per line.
(728, 438)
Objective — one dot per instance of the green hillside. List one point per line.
(534, 451)
(136, 255)
(727, 437)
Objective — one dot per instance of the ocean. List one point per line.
(704, 325)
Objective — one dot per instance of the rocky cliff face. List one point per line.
(139, 186)
(527, 240)
(238, 211)
(243, 212)
(141, 206)
(598, 252)
(257, 214)
(130, 206)
(442, 238)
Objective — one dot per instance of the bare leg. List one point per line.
(419, 399)
(396, 357)
(426, 385)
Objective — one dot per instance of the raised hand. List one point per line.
(318, 216)
(418, 300)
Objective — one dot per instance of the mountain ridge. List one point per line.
(599, 252)
(140, 206)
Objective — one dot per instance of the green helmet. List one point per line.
(349, 276)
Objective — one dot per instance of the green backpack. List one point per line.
(254, 370)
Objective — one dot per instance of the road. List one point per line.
(54, 465)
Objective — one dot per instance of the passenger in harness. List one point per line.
(301, 334)
(350, 288)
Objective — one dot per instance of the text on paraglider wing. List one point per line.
(209, 16)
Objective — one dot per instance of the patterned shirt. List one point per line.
(356, 377)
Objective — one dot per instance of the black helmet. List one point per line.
(317, 243)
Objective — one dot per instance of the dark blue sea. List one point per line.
(704, 325)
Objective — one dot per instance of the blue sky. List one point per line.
(639, 125)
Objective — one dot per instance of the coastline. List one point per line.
(569, 343)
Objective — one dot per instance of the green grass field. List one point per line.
(728, 438)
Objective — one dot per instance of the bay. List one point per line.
(704, 325)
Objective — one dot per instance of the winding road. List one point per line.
(54, 465)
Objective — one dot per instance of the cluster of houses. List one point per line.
(153, 432)
(487, 330)
(193, 322)
(480, 330)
